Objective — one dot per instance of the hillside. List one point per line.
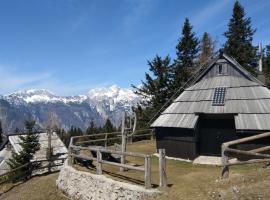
(185, 182)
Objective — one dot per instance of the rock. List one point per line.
(85, 186)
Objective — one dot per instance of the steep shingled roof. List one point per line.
(246, 98)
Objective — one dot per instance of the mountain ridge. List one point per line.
(78, 110)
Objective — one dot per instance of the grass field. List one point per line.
(186, 181)
(37, 188)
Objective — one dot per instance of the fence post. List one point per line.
(131, 139)
(162, 168)
(147, 175)
(152, 134)
(70, 157)
(99, 165)
(106, 139)
(224, 162)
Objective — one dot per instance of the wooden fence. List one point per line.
(228, 152)
(28, 172)
(75, 153)
(105, 138)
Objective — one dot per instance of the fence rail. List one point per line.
(100, 151)
(105, 137)
(257, 156)
(6, 177)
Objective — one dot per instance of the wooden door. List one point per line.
(213, 132)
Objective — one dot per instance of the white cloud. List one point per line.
(12, 79)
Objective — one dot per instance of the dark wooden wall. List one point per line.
(180, 143)
(206, 139)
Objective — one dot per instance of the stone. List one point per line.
(85, 185)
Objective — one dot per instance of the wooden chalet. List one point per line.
(225, 102)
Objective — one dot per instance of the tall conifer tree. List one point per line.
(186, 51)
(92, 129)
(155, 89)
(29, 146)
(207, 47)
(108, 127)
(239, 38)
(266, 65)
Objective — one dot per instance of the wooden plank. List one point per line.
(262, 149)
(99, 165)
(104, 150)
(147, 175)
(142, 135)
(123, 165)
(247, 139)
(247, 153)
(97, 140)
(83, 157)
(162, 168)
(249, 162)
(122, 153)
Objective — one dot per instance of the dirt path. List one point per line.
(37, 188)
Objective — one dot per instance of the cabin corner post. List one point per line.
(147, 175)
(224, 161)
(162, 168)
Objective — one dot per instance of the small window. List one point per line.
(219, 96)
(220, 69)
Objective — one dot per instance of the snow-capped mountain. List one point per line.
(42, 95)
(112, 101)
(98, 105)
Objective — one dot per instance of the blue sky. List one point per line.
(71, 46)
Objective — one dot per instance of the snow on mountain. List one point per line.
(112, 101)
(113, 92)
(114, 95)
(42, 95)
(98, 105)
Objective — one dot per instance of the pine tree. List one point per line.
(108, 126)
(207, 47)
(266, 65)
(155, 90)
(29, 146)
(1, 133)
(187, 52)
(92, 129)
(239, 38)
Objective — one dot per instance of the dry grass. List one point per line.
(37, 188)
(186, 181)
